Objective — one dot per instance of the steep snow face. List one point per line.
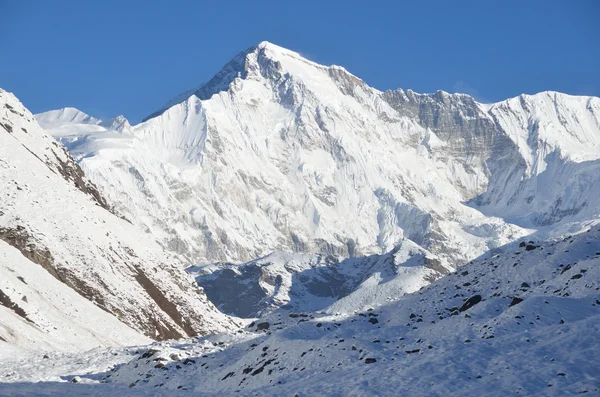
(58, 221)
(523, 320)
(39, 312)
(558, 137)
(309, 282)
(278, 153)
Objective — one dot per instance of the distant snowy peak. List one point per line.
(263, 61)
(119, 123)
(65, 115)
(555, 120)
(67, 118)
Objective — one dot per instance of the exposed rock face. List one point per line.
(279, 153)
(58, 220)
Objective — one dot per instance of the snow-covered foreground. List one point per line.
(524, 320)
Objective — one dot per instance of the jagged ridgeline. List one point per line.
(276, 152)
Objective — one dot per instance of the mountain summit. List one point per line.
(276, 152)
(265, 59)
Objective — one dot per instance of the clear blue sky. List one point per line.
(130, 57)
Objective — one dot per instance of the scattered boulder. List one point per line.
(565, 269)
(373, 320)
(149, 353)
(469, 303)
(370, 360)
(262, 326)
(516, 301)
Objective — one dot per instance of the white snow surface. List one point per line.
(425, 343)
(58, 318)
(65, 239)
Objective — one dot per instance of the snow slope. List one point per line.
(40, 313)
(557, 136)
(62, 226)
(524, 320)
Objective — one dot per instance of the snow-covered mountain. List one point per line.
(74, 274)
(523, 320)
(279, 153)
(348, 209)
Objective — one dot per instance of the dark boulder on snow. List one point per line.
(370, 360)
(515, 301)
(149, 353)
(469, 303)
(263, 325)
